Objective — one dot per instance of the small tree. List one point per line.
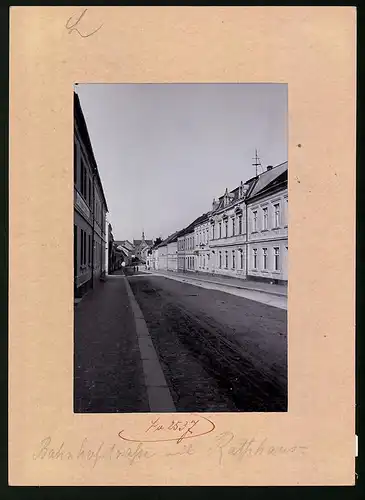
(158, 241)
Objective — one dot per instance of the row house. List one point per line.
(115, 253)
(185, 249)
(245, 234)
(228, 233)
(126, 249)
(188, 243)
(164, 255)
(249, 229)
(267, 243)
(201, 246)
(90, 209)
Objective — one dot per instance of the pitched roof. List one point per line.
(267, 178)
(124, 243)
(170, 239)
(138, 243)
(190, 228)
(80, 119)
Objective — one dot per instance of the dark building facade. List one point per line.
(90, 209)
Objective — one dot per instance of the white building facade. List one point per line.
(267, 209)
(201, 240)
(172, 255)
(186, 249)
(162, 258)
(228, 233)
(245, 235)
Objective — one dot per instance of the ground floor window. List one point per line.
(241, 258)
(226, 255)
(75, 250)
(89, 250)
(233, 259)
(255, 258)
(264, 257)
(220, 260)
(83, 247)
(276, 259)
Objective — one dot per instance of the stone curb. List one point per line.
(278, 294)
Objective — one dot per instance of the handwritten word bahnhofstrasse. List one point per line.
(224, 448)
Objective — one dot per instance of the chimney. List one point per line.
(269, 167)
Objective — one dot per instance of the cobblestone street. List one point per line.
(217, 351)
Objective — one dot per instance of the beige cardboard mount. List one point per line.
(312, 49)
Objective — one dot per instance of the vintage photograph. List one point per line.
(180, 247)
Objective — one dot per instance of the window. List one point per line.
(83, 247)
(83, 178)
(233, 227)
(203, 261)
(264, 251)
(255, 258)
(75, 250)
(254, 227)
(213, 231)
(226, 227)
(277, 215)
(90, 193)
(276, 258)
(220, 230)
(241, 258)
(89, 250)
(82, 174)
(75, 163)
(220, 260)
(265, 217)
(286, 212)
(226, 255)
(233, 259)
(240, 224)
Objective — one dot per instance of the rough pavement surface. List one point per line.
(107, 365)
(218, 352)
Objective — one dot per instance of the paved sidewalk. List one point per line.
(280, 290)
(108, 367)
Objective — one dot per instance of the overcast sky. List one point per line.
(164, 151)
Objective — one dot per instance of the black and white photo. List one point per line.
(180, 248)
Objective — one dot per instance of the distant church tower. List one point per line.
(142, 235)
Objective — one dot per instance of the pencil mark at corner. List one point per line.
(72, 27)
